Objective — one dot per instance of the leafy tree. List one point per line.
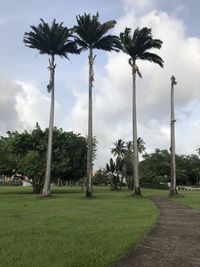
(25, 153)
(52, 40)
(155, 168)
(100, 177)
(154, 165)
(90, 35)
(8, 162)
(33, 166)
(137, 46)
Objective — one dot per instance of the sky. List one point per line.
(24, 99)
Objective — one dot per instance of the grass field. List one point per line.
(68, 230)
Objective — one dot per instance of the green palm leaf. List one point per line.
(54, 39)
(137, 46)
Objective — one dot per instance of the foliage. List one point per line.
(137, 46)
(155, 168)
(100, 177)
(90, 33)
(113, 175)
(54, 39)
(123, 151)
(25, 153)
(154, 165)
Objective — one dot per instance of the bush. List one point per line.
(155, 186)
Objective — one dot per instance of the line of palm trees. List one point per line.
(89, 34)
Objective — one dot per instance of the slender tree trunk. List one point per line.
(88, 182)
(173, 190)
(136, 188)
(46, 189)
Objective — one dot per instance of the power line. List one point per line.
(189, 112)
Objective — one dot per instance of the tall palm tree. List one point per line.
(52, 40)
(137, 46)
(91, 34)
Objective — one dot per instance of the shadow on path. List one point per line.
(173, 242)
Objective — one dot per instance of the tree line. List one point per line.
(90, 34)
(154, 168)
(25, 154)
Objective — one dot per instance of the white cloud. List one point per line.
(138, 5)
(112, 99)
(22, 104)
(9, 119)
(32, 106)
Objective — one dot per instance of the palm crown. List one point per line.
(138, 45)
(119, 149)
(51, 40)
(91, 33)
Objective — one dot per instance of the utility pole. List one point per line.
(173, 190)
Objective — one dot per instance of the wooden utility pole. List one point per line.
(173, 190)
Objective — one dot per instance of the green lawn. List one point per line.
(191, 198)
(68, 230)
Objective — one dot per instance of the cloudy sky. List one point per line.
(24, 75)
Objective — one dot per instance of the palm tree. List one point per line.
(51, 40)
(91, 34)
(119, 149)
(137, 46)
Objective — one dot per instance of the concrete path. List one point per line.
(173, 242)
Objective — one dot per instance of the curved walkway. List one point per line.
(173, 242)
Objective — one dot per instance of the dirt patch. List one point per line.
(173, 242)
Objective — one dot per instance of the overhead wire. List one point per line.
(189, 112)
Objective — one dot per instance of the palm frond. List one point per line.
(138, 45)
(108, 43)
(92, 34)
(152, 58)
(54, 39)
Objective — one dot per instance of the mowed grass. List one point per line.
(68, 230)
(191, 198)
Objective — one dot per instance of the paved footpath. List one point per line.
(173, 242)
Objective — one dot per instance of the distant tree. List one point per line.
(52, 40)
(91, 34)
(8, 162)
(155, 168)
(112, 171)
(100, 177)
(137, 46)
(154, 165)
(119, 149)
(124, 158)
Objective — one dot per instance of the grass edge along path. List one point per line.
(68, 230)
(190, 198)
(174, 241)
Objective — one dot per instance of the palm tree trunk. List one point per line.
(88, 182)
(46, 189)
(136, 188)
